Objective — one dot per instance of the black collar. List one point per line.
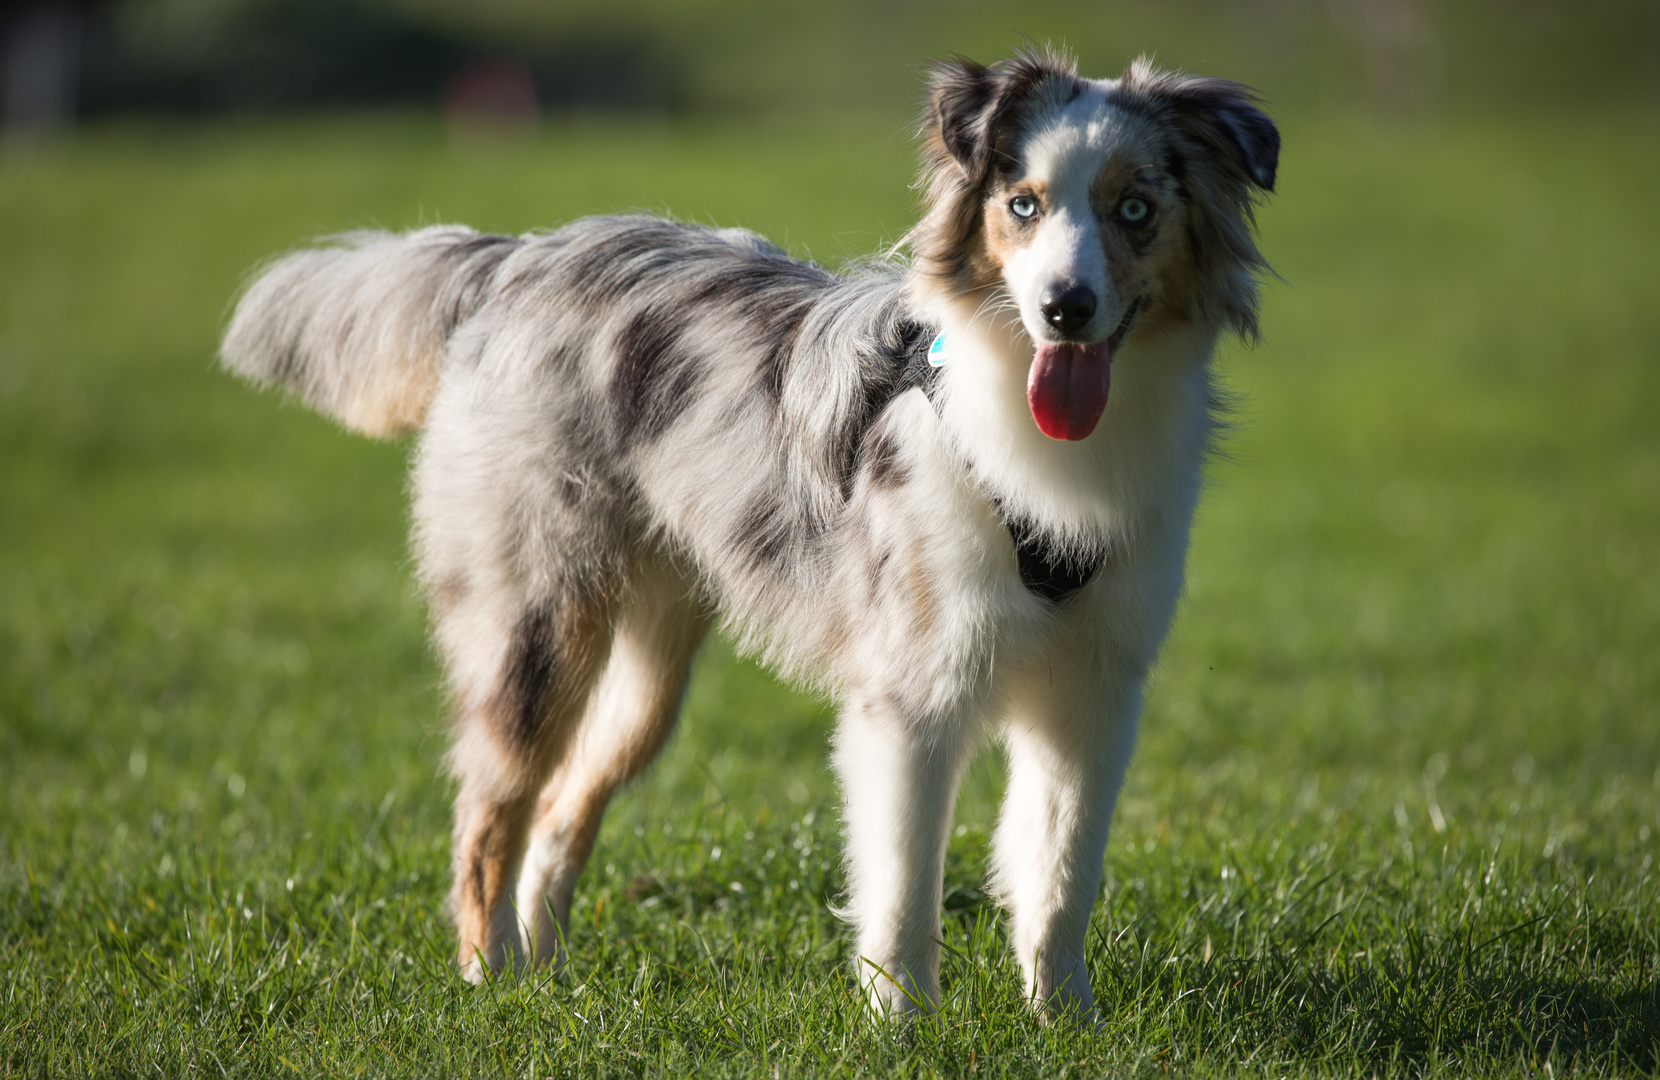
(1044, 571)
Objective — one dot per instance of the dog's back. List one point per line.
(635, 377)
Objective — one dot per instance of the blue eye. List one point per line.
(1023, 206)
(1134, 210)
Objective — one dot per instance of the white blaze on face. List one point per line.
(1063, 262)
(1064, 152)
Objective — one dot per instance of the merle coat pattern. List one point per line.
(630, 427)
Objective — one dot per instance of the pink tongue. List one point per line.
(1067, 388)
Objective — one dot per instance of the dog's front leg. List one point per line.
(1065, 770)
(899, 777)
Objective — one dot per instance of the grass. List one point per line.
(1397, 801)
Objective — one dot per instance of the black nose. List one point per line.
(1068, 310)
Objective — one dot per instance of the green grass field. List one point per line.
(1396, 806)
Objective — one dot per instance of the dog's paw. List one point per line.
(894, 998)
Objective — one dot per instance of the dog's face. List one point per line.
(1088, 210)
(1082, 223)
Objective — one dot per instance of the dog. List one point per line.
(951, 488)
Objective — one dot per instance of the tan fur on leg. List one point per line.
(507, 743)
(629, 718)
(488, 847)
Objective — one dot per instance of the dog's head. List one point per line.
(1091, 210)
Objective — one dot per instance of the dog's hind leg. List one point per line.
(521, 683)
(659, 625)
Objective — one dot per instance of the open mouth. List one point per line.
(1068, 382)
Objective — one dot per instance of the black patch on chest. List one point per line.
(1048, 574)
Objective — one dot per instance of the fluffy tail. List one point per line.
(357, 330)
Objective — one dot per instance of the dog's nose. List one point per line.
(1068, 310)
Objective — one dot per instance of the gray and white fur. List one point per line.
(630, 427)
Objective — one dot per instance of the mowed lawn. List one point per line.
(1396, 806)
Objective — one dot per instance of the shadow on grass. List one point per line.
(1413, 1013)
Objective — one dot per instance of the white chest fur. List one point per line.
(1139, 469)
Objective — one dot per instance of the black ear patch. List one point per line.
(958, 96)
(970, 105)
(1224, 113)
(1256, 142)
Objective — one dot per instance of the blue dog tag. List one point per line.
(936, 352)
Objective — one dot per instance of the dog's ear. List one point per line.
(1256, 141)
(970, 104)
(959, 93)
(1224, 115)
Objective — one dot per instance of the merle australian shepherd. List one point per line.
(907, 485)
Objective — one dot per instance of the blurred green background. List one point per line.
(1414, 688)
(103, 57)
